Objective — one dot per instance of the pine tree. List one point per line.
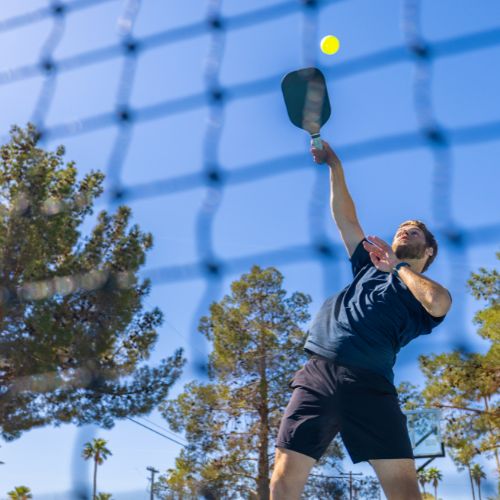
(466, 385)
(74, 337)
(231, 422)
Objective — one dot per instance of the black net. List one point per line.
(215, 179)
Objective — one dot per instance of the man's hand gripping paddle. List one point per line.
(307, 101)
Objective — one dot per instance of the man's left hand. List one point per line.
(381, 254)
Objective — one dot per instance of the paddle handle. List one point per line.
(317, 141)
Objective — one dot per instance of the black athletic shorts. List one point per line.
(362, 405)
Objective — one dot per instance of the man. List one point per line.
(347, 384)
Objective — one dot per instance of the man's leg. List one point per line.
(291, 470)
(398, 478)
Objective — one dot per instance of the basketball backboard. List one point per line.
(424, 427)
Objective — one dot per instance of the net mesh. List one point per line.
(215, 180)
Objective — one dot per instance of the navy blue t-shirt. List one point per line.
(367, 323)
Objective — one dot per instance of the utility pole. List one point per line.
(348, 476)
(153, 472)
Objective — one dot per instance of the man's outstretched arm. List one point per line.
(341, 204)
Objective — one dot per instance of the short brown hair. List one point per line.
(429, 240)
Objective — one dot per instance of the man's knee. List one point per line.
(285, 487)
(280, 486)
(290, 473)
(398, 478)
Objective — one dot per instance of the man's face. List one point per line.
(409, 243)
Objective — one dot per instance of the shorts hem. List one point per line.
(357, 460)
(288, 446)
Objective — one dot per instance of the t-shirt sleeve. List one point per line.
(429, 322)
(360, 258)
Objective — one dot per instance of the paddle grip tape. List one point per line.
(317, 141)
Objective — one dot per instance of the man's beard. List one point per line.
(414, 251)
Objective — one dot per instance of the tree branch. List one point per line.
(475, 410)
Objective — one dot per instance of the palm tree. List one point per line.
(477, 473)
(98, 451)
(422, 479)
(434, 476)
(20, 493)
(471, 482)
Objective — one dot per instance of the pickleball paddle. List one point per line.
(307, 101)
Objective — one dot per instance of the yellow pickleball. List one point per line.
(330, 44)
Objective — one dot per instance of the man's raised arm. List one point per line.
(342, 206)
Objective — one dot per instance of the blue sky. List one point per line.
(264, 219)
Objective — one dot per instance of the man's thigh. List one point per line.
(398, 478)
(308, 425)
(373, 425)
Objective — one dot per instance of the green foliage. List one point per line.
(465, 385)
(367, 488)
(485, 285)
(75, 337)
(96, 450)
(410, 397)
(104, 496)
(434, 476)
(231, 422)
(20, 493)
(477, 474)
(423, 479)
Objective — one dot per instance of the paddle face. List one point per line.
(306, 99)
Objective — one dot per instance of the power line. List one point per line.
(162, 428)
(156, 432)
